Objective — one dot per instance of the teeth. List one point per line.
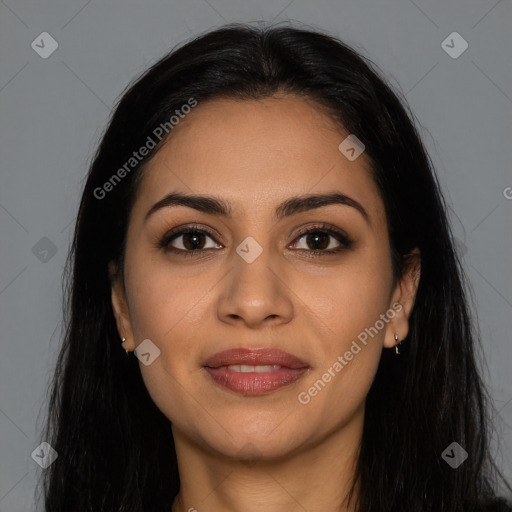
(245, 368)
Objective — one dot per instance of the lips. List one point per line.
(254, 372)
(244, 356)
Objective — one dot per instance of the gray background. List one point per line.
(53, 112)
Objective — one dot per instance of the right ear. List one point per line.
(120, 307)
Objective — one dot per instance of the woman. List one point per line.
(262, 226)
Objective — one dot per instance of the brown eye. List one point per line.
(323, 240)
(188, 240)
(317, 240)
(193, 241)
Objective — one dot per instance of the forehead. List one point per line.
(255, 153)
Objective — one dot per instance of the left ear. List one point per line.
(402, 300)
(120, 308)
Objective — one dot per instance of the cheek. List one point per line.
(349, 299)
(349, 355)
(348, 307)
(168, 306)
(162, 299)
(167, 309)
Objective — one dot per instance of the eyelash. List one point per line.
(345, 241)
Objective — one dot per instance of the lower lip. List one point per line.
(253, 383)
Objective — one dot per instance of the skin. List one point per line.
(256, 453)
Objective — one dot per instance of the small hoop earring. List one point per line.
(396, 345)
(122, 341)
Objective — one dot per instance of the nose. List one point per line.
(255, 294)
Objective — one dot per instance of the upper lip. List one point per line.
(254, 357)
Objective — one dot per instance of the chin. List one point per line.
(258, 444)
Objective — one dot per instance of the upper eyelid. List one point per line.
(326, 227)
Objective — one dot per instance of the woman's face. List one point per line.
(252, 281)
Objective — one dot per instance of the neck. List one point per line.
(316, 477)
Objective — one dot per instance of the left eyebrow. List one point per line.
(217, 206)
